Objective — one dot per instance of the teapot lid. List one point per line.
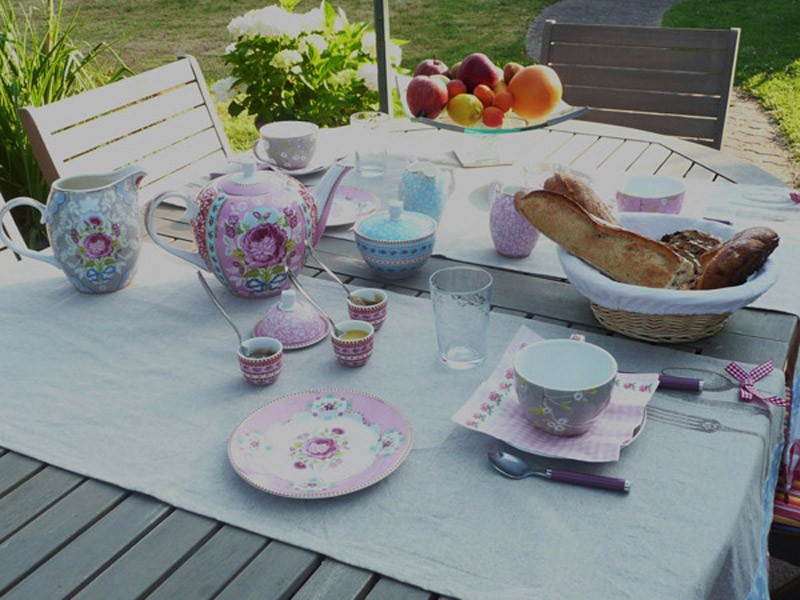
(396, 224)
(292, 321)
(250, 181)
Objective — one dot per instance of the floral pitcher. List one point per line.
(93, 224)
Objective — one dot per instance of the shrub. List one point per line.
(314, 66)
(39, 64)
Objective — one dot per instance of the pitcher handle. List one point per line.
(37, 255)
(191, 212)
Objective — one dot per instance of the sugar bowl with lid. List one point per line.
(395, 243)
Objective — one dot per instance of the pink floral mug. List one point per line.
(93, 224)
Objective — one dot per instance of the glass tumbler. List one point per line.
(370, 144)
(461, 299)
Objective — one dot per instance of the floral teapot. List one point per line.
(250, 225)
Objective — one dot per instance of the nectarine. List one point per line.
(536, 90)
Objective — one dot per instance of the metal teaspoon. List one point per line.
(515, 468)
(214, 299)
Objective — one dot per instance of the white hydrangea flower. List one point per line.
(230, 48)
(269, 22)
(313, 20)
(286, 59)
(395, 53)
(315, 40)
(369, 45)
(224, 89)
(344, 78)
(369, 73)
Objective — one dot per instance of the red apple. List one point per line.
(477, 68)
(454, 70)
(456, 87)
(432, 66)
(426, 97)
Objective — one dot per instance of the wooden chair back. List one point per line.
(163, 120)
(12, 231)
(672, 81)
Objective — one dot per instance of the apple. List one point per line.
(440, 77)
(456, 87)
(510, 70)
(454, 70)
(477, 68)
(426, 97)
(432, 66)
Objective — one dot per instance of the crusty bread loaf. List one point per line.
(620, 254)
(581, 192)
(691, 243)
(733, 261)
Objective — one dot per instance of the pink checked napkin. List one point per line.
(493, 409)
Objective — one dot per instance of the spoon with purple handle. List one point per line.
(515, 468)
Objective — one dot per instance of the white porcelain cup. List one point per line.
(288, 144)
(564, 385)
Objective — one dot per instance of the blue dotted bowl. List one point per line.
(396, 245)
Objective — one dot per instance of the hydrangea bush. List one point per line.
(314, 66)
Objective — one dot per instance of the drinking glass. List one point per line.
(461, 299)
(370, 145)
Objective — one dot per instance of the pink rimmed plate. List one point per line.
(350, 204)
(320, 443)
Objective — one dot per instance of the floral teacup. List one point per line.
(564, 385)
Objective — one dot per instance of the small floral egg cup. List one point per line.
(370, 305)
(354, 347)
(261, 360)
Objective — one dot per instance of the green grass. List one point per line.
(150, 32)
(768, 65)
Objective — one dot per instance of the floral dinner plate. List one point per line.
(320, 444)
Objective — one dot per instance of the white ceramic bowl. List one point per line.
(639, 299)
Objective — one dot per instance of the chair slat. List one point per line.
(642, 101)
(113, 96)
(684, 127)
(663, 59)
(641, 79)
(642, 37)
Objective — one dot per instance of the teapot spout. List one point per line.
(324, 193)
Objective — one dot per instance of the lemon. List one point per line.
(465, 109)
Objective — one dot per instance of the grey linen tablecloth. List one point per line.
(141, 389)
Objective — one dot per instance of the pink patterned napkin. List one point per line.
(493, 409)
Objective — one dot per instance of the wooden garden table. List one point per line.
(52, 521)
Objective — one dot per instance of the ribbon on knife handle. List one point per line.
(748, 379)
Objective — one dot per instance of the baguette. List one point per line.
(620, 254)
(733, 261)
(577, 189)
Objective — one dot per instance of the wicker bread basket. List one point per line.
(663, 315)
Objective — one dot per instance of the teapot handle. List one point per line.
(24, 201)
(191, 212)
